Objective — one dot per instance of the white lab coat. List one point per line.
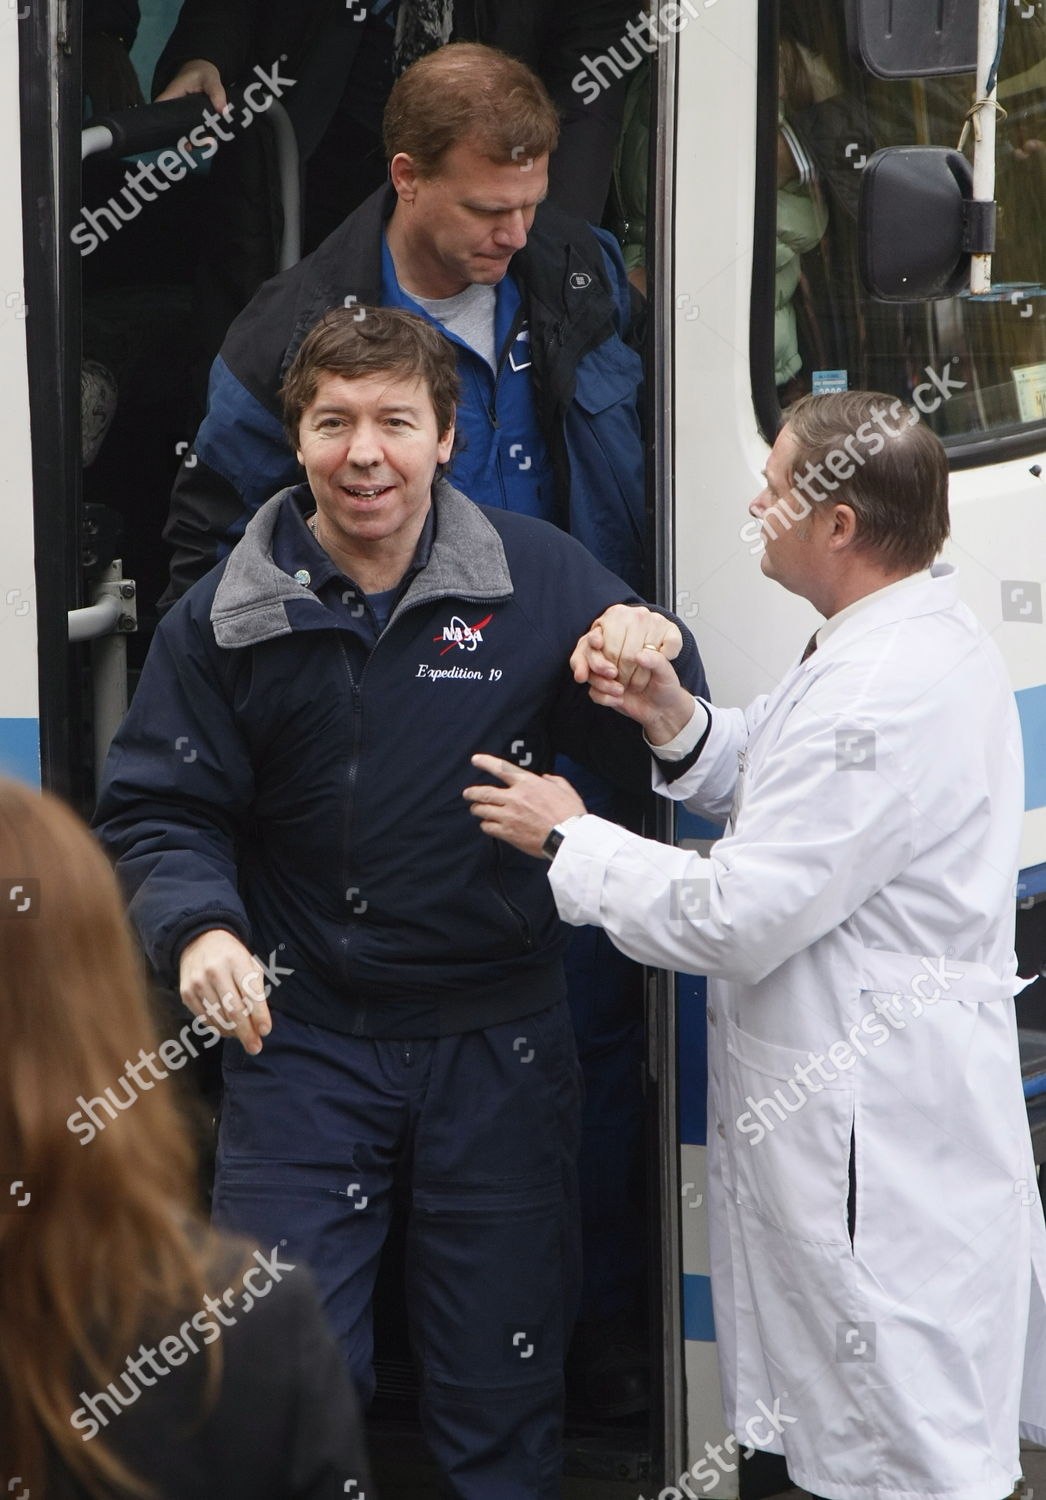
(859, 910)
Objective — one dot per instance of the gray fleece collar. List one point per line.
(467, 561)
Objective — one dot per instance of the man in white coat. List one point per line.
(877, 1237)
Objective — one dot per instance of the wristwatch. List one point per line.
(550, 848)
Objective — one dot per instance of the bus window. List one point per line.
(976, 368)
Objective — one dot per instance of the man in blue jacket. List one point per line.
(537, 306)
(536, 303)
(288, 783)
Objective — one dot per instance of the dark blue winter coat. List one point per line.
(279, 777)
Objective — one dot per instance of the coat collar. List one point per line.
(250, 603)
(922, 594)
(561, 272)
(351, 253)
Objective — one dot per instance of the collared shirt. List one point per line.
(686, 742)
(296, 550)
(501, 457)
(834, 621)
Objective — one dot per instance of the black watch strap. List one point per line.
(550, 848)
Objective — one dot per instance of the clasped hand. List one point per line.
(624, 658)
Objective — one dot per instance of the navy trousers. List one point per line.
(486, 1125)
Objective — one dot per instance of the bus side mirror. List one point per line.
(917, 223)
(913, 38)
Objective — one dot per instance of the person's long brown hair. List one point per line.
(109, 1238)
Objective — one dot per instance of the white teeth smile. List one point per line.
(366, 494)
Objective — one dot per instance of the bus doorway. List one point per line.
(130, 251)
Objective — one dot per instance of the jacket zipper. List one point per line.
(515, 912)
(356, 689)
(517, 323)
(354, 766)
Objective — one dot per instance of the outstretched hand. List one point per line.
(625, 659)
(525, 809)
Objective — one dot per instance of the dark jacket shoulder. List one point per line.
(277, 1358)
(562, 260)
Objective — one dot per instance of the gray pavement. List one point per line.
(410, 1483)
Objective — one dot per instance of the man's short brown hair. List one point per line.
(358, 341)
(466, 91)
(876, 455)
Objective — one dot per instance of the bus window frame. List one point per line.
(669, 1420)
(50, 108)
(764, 232)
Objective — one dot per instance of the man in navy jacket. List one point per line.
(537, 306)
(288, 783)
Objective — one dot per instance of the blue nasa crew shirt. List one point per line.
(501, 453)
(296, 550)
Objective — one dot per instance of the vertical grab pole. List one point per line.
(984, 130)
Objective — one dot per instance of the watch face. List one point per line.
(551, 845)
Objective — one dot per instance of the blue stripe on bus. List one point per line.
(690, 826)
(1032, 881)
(20, 749)
(1031, 705)
(698, 1322)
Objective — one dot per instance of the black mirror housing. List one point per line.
(913, 223)
(913, 38)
